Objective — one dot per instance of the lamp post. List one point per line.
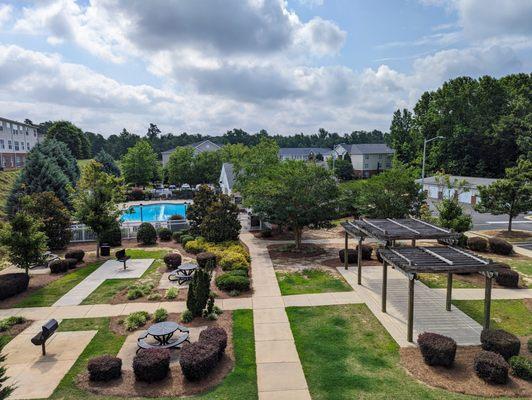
(140, 212)
(424, 153)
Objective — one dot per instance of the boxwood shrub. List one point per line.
(176, 236)
(71, 262)
(351, 256)
(366, 251)
(491, 367)
(477, 243)
(437, 349)
(151, 365)
(195, 246)
(136, 319)
(206, 260)
(146, 234)
(507, 277)
(216, 336)
(500, 246)
(165, 234)
(521, 367)
(104, 368)
(113, 237)
(198, 359)
(78, 254)
(59, 266)
(231, 260)
(12, 284)
(172, 260)
(186, 238)
(499, 341)
(231, 281)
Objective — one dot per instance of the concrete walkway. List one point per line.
(111, 269)
(429, 307)
(496, 294)
(279, 371)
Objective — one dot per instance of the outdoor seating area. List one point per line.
(163, 333)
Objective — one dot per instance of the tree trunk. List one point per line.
(297, 233)
(97, 247)
(510, 223)
(27, 268)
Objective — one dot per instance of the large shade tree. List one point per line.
(140, 165)
(68, 133)
(179, 167)
(511, 195)
(108, 163)
(96, 200)
(293, 194)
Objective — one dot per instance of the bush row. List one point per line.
(496, 245)
(13, 284)
(352, 254)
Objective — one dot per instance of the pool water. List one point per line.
(154, 212)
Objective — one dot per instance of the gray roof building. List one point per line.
(367, 148)
(303, 153)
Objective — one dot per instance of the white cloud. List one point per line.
(5, 12)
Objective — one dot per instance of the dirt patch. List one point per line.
(286, 251)
(90, 247)
(504, 234)
(16, 329)
(461, 378)
(175, 383)
(308, 234)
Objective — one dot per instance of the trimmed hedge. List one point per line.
(151, 365)
(176, 236)
(78, 254)
(198, 359)
(351, 256)
(195, 246)
(216, 336)
(437, 349)
(186, 238)
(13, 284)
(232, 281)
(71, 262)
(507, 277)
(172, 260)
(521, 367)
(500, 246)
(366, 251)
(113, 237)
(146, 234)
(104, 368)
(232, 260)
(477, 243)
(58, 266)
(165, 234)
(499, 341)
(206, 260)
(491, 367)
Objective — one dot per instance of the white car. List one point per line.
(185, 186)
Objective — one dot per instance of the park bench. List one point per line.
(121, 256)
(46, 332)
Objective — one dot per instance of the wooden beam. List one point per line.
(359, 260)
(384, 284)
(410, 324)
(432, 226)
(346, 247)
(433, 254)
(449, 291)
(403, 226)
(413, 242)
(465, 253)
(375, 226)
(487, 301)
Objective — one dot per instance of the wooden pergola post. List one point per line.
(410, 325)
(487, 300)
(413, 242)
(359, 260)
(384, 284)
(345, 250)
(449, 291)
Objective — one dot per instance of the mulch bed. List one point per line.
(307, 250)
(175, 383)
(16, 329)
(461, 378)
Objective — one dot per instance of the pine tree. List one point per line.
(198, 292)
(108, 163)
(59, 152)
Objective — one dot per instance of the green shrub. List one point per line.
(238, 248)
(8, 322)
(529, 345)
(500, 246)
(198, 292)
(195, 246)
(136, 319)
(185, 239)
(176, 236)
(172, 293)
(146, 234)
(113, 237)
(477, 243)
(230, 281)
(160, 315)
(155, 296)
(521, 367)
(232, 260)
(165, 234)
(187, 316)
(134, 293)
(206, 260)
(172, 260)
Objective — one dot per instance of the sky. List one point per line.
(208, 66)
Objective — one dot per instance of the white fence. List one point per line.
(82, 233)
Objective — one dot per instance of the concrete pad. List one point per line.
(268, 302)
(276, 331)
(280, 377)
(105, 310)
(165, 283)
(285, 395)
(236, 304)
(269, 315)
(70, 312)
(36, 376)
(148, 307)
(35, 312)
(347, 298)
(276, 351)
(266, 290)
(321, 299)
(296, 300)
(174, 306)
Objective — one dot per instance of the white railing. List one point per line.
(82, 233)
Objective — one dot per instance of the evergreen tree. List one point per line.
(197, 211)
(221, 222)
(60, 153)
(198, 292)
(108, 163)
(72, 136)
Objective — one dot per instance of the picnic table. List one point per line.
(163, 333)
(183, 273)
(187, 268)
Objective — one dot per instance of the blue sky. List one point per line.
(214, 65)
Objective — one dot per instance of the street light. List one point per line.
(141, 212)
(423, 166)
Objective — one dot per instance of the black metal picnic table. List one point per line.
(162, 332)
(187, 268)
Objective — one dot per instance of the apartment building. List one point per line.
(16, 140)
(368, 159)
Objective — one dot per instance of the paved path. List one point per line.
(279, 371)
(111, 269)
(496, 294)
(429, 307)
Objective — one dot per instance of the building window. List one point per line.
(16, 146)
(380, 156)
(28, 147)
(9, 145)
(22, 144)
(2, 146)
(1, 127)
(366, 166)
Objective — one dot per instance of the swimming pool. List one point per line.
(154, 212)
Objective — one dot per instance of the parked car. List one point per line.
(172, 187)
(185, 186)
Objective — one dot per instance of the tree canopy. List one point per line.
(140, 165)
(72, 136)
(108, 163)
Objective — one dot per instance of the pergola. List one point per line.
(389, 230)
(446, 259)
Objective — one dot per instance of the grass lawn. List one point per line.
(7, 179)
(440, 281)
(310, 280)
(521, 264)
(510, 315)
(240, 384)
(355, 359)
(49, 294)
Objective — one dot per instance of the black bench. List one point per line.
(143, 344)
(46, 332)
(121, 256)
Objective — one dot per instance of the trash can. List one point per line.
(105, 250)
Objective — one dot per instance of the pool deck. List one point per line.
(148, 202)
